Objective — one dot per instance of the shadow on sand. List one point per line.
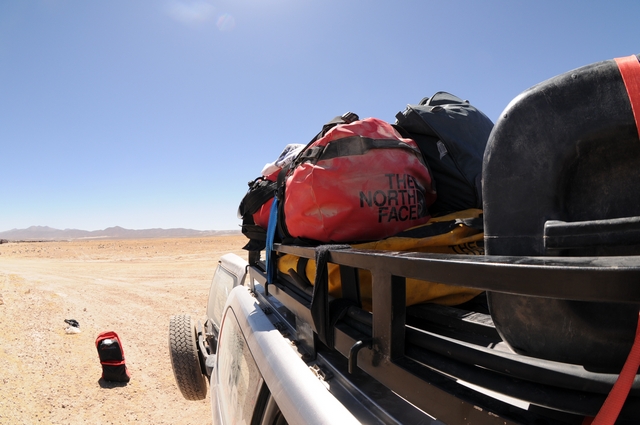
(111, 384)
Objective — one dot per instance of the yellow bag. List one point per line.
(458, 238)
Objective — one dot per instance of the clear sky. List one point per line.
(154, 113)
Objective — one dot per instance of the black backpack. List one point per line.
(452, 135)
(260, 191)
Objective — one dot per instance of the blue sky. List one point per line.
(147, 114)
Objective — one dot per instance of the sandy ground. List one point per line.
(131, 287)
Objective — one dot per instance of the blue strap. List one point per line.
(271, 233)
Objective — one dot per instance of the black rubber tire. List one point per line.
(183, 349)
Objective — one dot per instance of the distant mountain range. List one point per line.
(47, 233)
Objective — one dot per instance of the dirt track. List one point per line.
(129, 286)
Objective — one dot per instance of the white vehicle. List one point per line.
(560, 274)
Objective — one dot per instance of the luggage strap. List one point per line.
(630, 71)
(270, 254)
(615, 400)
(325, 314)
(352, 146)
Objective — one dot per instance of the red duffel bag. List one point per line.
(359, 181)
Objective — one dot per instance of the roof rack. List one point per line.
(451, 376)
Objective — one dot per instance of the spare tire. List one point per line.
(185, 362)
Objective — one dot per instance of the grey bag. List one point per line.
(452, 135)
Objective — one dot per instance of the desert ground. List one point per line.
(132, 287)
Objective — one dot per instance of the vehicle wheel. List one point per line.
(184, 358)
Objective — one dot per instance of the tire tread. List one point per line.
(184, 358)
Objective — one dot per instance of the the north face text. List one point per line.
(403, 200)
